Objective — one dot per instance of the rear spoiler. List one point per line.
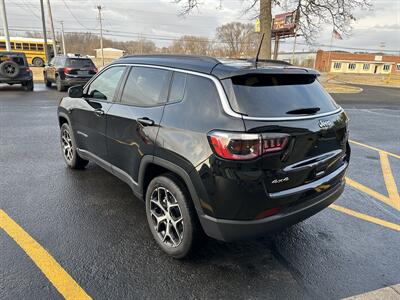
(224, 71)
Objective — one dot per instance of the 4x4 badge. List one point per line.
(324, 124)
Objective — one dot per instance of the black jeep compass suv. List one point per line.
(222, 147)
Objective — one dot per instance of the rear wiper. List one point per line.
(304, 111)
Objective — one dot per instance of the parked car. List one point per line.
(14, 69)
(228, 149)
(66, 71)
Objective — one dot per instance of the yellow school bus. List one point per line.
(32, 47)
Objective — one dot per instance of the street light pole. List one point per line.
(99, 7)
(46, 50)
(63, 38)
(55, 50)
(5, 24)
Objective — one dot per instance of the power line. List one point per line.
(76, 19)
(115, 33)
(25, 7)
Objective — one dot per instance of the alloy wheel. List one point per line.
(10, 69)
(66, 144)
(167, 217)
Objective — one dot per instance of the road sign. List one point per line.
(257, 25)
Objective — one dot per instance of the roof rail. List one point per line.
(181, 56)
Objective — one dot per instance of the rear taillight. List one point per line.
(245, 146)
(67, 70)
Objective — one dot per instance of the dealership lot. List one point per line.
(92, 237)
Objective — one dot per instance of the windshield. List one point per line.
(269, 95)
(79, 63)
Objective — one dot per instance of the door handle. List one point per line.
(99, 112)
(145, 121)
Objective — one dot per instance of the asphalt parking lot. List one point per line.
(84, 233)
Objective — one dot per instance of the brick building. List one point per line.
(360, 63)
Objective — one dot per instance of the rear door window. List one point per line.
(178, 84)
(268, 95)
(146, 87)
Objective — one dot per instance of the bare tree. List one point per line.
(192, 45)
(316, 13)
(239, 38)
(313, 14)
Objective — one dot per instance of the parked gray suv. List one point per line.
(14, 69)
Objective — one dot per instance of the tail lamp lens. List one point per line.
(67, 70)
(245, 146)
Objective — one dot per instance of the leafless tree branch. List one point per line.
(313, 13)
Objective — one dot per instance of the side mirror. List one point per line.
(75, 91)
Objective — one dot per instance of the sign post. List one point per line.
(284, 26)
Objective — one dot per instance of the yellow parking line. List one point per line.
(368, 191)
(373, 148)
(365, 217)
(61, 280)
(389, 181)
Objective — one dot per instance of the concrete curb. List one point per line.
(387, 293)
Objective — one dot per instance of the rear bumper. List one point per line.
(70, 81)
(19, 79)
(230, 230)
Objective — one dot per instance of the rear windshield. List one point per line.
(19, 59)
(79, 63)
(266, 95)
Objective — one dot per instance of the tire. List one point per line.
(46, 81)
(28, 85)
(68, 149)
(38, 62)
(60, 87)
(9, 69)
(181, 237)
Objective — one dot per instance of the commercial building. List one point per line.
(304, 58)
(111, 53)
(360, 63)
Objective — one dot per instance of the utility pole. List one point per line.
(63, 38)
(140, 44)
(294, 45)
(46, 49)
(5, 24)
(296, 28)
(99, 7)
(55, 50)
(276, 46)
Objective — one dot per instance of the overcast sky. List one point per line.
(159, 20)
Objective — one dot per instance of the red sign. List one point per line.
(285, 23)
